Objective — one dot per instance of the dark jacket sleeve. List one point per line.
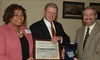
(60, 32)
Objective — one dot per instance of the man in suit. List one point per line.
(91, 49)
(42, 28)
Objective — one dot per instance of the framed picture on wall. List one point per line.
(72, 10)
(0, 7)
(96, 6)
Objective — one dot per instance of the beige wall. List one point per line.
(35, 12)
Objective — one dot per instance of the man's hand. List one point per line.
(63, 53)
(75, 59)
(55, 39)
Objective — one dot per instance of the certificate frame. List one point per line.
(51, 52)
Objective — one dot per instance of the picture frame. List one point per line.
(0, 7)
(96, 6)
(72, 10)
(45, 50)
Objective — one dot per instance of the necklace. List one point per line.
(20, 32)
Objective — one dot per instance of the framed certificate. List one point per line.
(45, 50)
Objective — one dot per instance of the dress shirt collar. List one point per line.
(47, 22)
(91, 27)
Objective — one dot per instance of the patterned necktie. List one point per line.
(86, 37)
(52, 30)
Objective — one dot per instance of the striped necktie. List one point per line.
(86, 37)
(52, 30)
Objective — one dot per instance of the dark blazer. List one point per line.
(40, 31)
(92, 47)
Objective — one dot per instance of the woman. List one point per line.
(15, 40)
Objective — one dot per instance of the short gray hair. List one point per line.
(90, 7)
(53, 5)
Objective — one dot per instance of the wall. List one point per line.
(35, 12)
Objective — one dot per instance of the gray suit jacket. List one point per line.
(92, 47)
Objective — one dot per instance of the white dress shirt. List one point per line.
(48, 24)
(91, 27)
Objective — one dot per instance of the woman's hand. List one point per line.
(31, 58)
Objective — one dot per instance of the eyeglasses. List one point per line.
(50, 12)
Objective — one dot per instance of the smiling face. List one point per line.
(89, 17)
(18, 18)
(50, 13)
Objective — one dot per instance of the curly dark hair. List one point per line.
(9, 12)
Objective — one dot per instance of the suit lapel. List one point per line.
(91, 36)
(29, 38)
(45, 30)
(57, 28)
(14, 38)
(81, 36)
